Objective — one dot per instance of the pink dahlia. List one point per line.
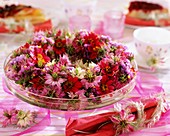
(10, 117)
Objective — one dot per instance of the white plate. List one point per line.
(14, 39)
(142, 64)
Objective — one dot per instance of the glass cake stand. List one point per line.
(68, 104)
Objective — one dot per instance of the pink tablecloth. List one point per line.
(59, 118)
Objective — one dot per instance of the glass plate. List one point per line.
(68, 104)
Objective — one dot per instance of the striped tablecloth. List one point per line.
(59, 118)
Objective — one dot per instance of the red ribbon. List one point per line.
(90, 125)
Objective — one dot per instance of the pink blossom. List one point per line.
(80, 94)
(88, 84)
(10, 117)
(41, 37)
(123, 122)
(64, 60)
(51, 81)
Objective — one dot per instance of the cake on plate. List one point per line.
(147, 13)
(19, 18)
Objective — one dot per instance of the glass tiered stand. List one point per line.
(68, 104)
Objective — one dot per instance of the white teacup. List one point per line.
(153, 45)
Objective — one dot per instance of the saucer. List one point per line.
(142, 64)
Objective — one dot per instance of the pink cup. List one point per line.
(77, 22)
(114, 22)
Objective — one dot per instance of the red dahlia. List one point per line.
(37, 83)
(106, 86)
(108, 68)
(59, 46)
(72, 84)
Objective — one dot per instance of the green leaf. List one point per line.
(54, 75)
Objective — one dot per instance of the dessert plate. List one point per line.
(143, 65)
(136, 23)
(138, 26)
(14, 39)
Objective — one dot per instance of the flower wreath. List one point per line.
(81, 65)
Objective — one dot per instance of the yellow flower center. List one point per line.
(108, 69)
(40, 58)
(42, 39)
(95, 48)
(104, 87)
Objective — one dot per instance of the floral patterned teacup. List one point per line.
(153, 45)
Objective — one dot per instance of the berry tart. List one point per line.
(147, 14)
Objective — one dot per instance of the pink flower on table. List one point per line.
(10, 117)
(123, 122)
(25, 118)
